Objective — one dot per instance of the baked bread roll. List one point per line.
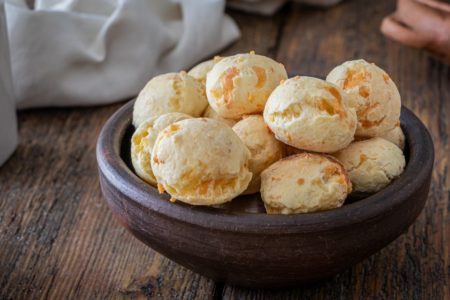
(143, 140)
(372, 93)
(396, 136)
(310, 114)
(372, 164)
(240, 85)
(171, 92)
(264, 148)
(304, 183)
(200, 71)
(201, 162)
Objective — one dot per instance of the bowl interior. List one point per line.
(246, 213)
(247, 204)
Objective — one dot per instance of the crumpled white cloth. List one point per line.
(8, 124)
(86, 52)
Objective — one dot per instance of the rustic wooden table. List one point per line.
(58, 239)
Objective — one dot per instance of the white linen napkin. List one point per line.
(90, 52)
(86, 52)
(8, 124)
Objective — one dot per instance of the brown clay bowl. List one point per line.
(238, 243)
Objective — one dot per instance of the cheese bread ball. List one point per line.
(143, 140)
(372, 93)
(304, 183)
(372, 164)
(264, 148)
(201, 162)
(239, 85)
(210, 113)
(199, 71)
(171, 92)
(396, 136)
(311, 114)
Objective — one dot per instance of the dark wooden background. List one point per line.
(58, 239)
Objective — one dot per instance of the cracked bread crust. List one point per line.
(311, 114)
(264, 148)
(241, 84)
(201, 162)
(372, 164)
(396, 136)
(372, 93)
(304, 183)
(143, 140)
(171, 92)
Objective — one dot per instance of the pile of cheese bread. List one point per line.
(238, 125)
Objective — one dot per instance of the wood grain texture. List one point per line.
(58, 238)
(415, 266)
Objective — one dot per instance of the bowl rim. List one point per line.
(113, 168)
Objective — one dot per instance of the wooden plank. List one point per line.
(57, 237)
(415, 266)
(260, 34)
